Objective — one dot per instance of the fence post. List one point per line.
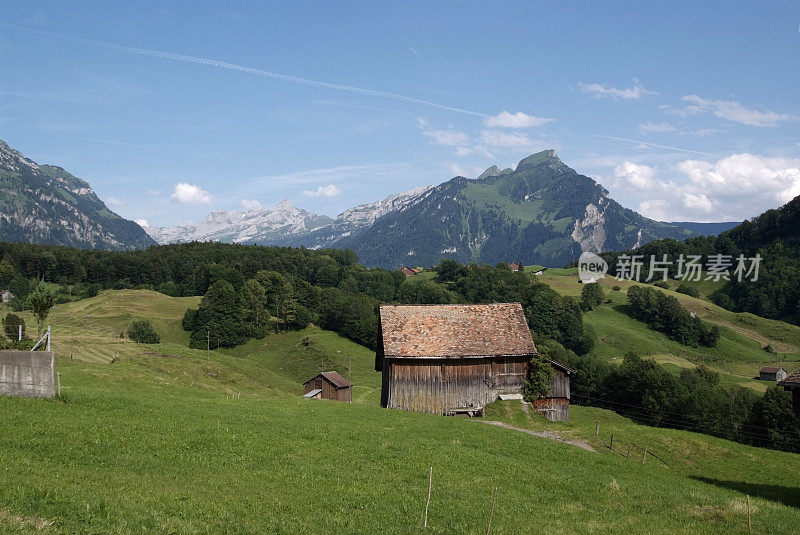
(58, 376)
(48, 338)
(644, 456)
(427, 504)
(20, 334)
(596, 427)
(749, 524)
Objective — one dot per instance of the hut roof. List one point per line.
(337, 380)
(770, 369)
(455, 330)
(793, 379)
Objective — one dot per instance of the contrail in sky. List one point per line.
(250, 70)
(656, 146)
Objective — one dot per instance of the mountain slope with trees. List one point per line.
(46, 204)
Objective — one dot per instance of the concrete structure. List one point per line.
(772, 373)
(27, 373)
(792, 382)
(329, 385)
(453, 359)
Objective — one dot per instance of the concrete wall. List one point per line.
(27, 373)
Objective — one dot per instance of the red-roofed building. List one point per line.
(514, 266)
(446, 359)
(409, 272)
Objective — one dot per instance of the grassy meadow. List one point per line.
(165, 439)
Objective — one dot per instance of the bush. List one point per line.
(11, 325)
(591, 296)
(662, 284)
(616, 288)
(688, 290)
(92, 290)
(540, 374)
(189, 320)
(664, 313)
(142, 332)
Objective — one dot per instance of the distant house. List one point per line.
(448, 359)
(408, 272)
(771, 373)
(328, 385)
(6, 296)
(514, 266)
(792, 382)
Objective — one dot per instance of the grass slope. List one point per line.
(164, 440)
(737, 357)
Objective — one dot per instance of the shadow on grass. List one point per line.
(624, 309)
(786, 495)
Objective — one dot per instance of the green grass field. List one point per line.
(737, 357)
(161, 439)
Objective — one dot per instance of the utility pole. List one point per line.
(350, 377)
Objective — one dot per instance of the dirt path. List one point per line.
(780, 347)
(551, 435)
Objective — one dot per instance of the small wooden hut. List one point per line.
(329, 385)
(792, 382)
(772, 373)
(448, 359)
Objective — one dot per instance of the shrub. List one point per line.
(540, 374)
(616, 288)
(142, 332)
(591, 296)
(662, 284)
(189, 320)
(688, 290)
(11, 325)
(92, 290)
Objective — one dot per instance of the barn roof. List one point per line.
(793, 379)
(337, 380)
(770, 369)
(455, 330)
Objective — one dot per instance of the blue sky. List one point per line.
(683, 110)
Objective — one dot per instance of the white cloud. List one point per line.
(731, 110)
(498, 138)
(732, 188)
(449, 137)
(629, 174)
(650, 126)
(113, 201)
(635, 92)
(142, 222)
(323, 191)
(505, 119)
(185, 193)
(250, 204)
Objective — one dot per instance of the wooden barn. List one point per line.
(447, 359)
(772, 373)
(409, 271)
(329, 385)
(792, 382)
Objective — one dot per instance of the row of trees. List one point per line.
(664, 313)
(694, 400)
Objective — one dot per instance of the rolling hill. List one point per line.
(161, 439)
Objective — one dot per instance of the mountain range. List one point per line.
(541, 212)
(46, 204)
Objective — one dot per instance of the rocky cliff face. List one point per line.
(46, 204)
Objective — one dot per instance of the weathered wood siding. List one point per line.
(554, 409)
(559, 385)
(439, 385)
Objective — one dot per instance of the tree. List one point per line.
(6, 274)
(254, 302)
(591, 296)
(220, 317)
(11, 325)
(41, 301)
(142, 332)
(540, 374)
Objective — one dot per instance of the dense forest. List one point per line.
(774, 235)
